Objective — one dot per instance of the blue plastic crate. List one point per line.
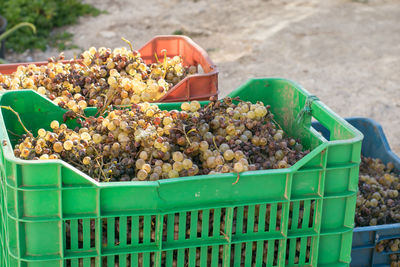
(374, 145)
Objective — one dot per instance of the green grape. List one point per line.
(141, 175)
(42, 132)
(167, 121)
(251, 115)
(38, 149)
(68, 145)
(41, 90)
(263, 141)
(166, 167)
(139, 163)
(244, 161)
(194, 106)
(238, 167)
(187, 164)
(54, 125)
(244, 138)
(248, 134)
(86, 160)
(238, 155)
(116, 147)
(231, 130)
(173, 174)
(208, 136)
(58, 147)
(207, 154)
(278, 136)
(146, 167)
(185, 106)
(143, 155)
(260, 111)
(223, 147)
(203, 146)
(154, 176)
(225, 169)
(177, 156)
(279, 155)
(25, 152)
(44, 157)
(229, 155)
(211, 162)
(219, 160)
(158, 170)
(158, 163)
(111, 127)
(53, 156)
(86, 136)
(255, 140)
(178, 166)
(97, 138)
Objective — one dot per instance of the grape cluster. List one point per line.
(378, 200)
(102, 77)
(390, 245)
(146, 143)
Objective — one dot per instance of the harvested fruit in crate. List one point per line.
(390, 246)
(261, 218)
(102, 77)
(378, 200)
(146, 143)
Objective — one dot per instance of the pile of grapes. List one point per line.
(378, 200)
(101, 78)
(390, 245)
(145, 143)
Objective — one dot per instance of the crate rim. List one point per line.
(8, 150)
(380, 132)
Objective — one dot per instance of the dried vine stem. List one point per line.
(19, 118)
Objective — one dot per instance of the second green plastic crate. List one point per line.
(51, 214)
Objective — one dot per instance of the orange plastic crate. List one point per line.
(200, 86)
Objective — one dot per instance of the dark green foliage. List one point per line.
(45, 15)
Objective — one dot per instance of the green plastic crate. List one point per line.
(55, 215)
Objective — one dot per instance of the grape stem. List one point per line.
(225, 236)
(187, 138)
(108, 100)
(237, 179)
(209, 105)
(19, 119)
(14, 133)
(128, 42)
(165, 62)
(215, 144)
(156, 57)
(276, 123)
(101, 165)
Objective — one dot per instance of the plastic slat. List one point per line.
(74, 234)
(303, 250)
(295, 214)
(86, 233)
(273, 217)
(122, 231)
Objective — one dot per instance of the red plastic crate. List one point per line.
(200, 86)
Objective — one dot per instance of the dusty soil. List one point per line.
(345, 52)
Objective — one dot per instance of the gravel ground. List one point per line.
(345, 52)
